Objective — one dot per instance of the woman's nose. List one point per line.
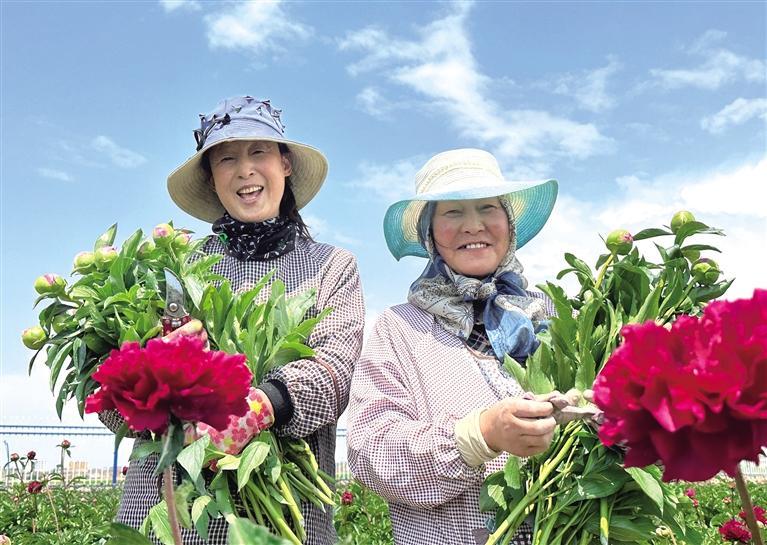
(473, 223)
(246, 167)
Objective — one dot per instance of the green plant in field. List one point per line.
(362, 517)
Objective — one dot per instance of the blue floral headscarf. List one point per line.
(510, 315)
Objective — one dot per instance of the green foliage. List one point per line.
(105, 307)
(578, 488)
(57, 515)
(364, 521)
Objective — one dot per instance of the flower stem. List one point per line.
(603, 270)
(170, 502)
(748, 507)
(55, 516)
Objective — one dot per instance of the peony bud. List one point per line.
(31, 455)
(104, 257)
(182, 239)
(347, 498)
(14, 457)
(163, 233)
(84, 261)
(65, 444)
(619, 242)
(35, 487)
(689, 492)
(34, 337)
(49, 283)
(679, 219)
(125, 470)
(705, 271)
(146, 248)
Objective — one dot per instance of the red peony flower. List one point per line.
(174, 377)
(35, 487)
(31, 455)
(735, 530)
(347, 498)
(65, 444)
(760, 514)
(666, 394)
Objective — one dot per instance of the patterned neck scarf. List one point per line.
(511, 316)
(258, 241)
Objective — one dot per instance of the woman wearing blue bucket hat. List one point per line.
(250, 182)
(432, 411)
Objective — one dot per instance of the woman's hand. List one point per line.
(193, 328)
(522, 427)
(241, 430)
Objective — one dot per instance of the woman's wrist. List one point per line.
(470, 440)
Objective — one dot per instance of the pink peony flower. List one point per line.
(735, 530)
(347, 498)
(668, 393)
(176, 377)
(760, 514)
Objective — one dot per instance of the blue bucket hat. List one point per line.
(242, 118)
(460, 175)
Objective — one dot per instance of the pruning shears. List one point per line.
(175, 314)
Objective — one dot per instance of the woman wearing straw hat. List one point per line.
(432, 409)
(250, 182)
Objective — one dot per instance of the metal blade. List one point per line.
(174, 295)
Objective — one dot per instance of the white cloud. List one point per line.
(322, 230)
(371, 101)
(719, 67)
(737, 112)
(254, 26)
(121, 157)
(440, 66)
(590, 87)
(54, 174)
(730, 198)
(173, 5)
(390, 182)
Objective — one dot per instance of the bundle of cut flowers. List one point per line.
(111, 307)
(579, 490)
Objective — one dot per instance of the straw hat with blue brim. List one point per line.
(464, 174)
(242, 118)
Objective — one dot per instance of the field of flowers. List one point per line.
(33, 513)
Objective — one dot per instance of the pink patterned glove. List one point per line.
(241, 429)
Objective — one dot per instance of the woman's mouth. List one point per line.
(474, 246)
(250, 193)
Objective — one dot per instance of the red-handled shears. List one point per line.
(175, 314)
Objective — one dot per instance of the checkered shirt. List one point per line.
(412, 383)
(319, 387)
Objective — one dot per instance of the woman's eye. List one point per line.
(453, 213)
(225, 158)
(256, 152)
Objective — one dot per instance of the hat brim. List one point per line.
(190, 188)
(532, 203)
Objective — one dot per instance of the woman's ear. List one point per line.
(287, 167)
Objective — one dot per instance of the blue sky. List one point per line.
(638, 109)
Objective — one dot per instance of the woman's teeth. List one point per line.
(250, 190)
(475, 246)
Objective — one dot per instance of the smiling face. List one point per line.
(249, 178)
(472, 236)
